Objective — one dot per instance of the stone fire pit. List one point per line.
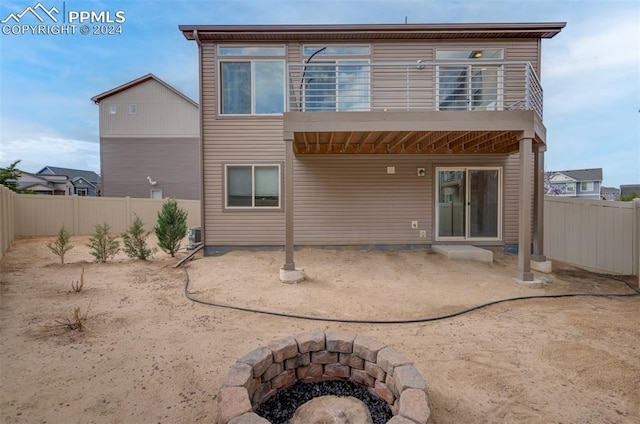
(322, 356)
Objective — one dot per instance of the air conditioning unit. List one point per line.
(195, 237)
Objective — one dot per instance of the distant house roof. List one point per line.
(144, 78)
(71, 173)
(594, 174)
(609, 190)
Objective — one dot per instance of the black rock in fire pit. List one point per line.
(280, 408)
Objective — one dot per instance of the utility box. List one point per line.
(195, 237)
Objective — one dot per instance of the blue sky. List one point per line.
(590, 71)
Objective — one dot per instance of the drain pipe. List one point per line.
(196, 37)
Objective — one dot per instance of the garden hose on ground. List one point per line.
(636, 292)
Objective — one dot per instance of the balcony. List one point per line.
(455, 107)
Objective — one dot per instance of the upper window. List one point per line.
(472, 54)
(336, 78)
(156, 193)
(112, 110)
(253, 186)
(81, 191)
(133, 109)
(251, 80)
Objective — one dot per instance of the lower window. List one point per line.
(156, 193)
(252, 186)
(81, 191)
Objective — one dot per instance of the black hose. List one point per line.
(404, 321)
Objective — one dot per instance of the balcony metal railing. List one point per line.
(359, 86)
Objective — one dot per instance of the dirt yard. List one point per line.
(150, 355)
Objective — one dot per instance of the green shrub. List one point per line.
(135, 241)
(102, 245)
(62, 244)
(171, 227)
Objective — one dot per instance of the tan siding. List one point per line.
(161, 112)
(174, 163)
(338, 199)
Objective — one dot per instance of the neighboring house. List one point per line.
(84, 183)
(58, 185)
(627, 189)
(372, 135)
(583, 183)
(609, 193)
(149, 141)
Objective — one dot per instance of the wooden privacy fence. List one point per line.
(599, 235)
(43, 215)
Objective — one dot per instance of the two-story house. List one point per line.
(583, 183)
(149, 141)
(375, 135)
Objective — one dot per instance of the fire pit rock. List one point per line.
(322, 356)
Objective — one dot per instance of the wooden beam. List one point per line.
(420, 139)
(306, 142)
(384, 140)
(346, 143)
(408, 135)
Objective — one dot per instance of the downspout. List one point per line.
(203, 232)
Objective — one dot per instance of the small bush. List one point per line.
(76, 286)
(102, 245)
(76, 322)
(135, 241)
(171, 227)
(62, 244)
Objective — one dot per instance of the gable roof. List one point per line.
(72, 173)
(100, 97)
(594, 174)
(371, 31)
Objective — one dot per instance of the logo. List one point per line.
(58, 20)
(34, 11)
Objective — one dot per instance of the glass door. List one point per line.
(468, 203)
(469, 87)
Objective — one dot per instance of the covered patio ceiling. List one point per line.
(407, 142)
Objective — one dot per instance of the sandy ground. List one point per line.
(150, 355)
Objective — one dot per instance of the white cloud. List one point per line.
(37, 152)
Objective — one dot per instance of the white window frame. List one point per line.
(337, 62)
(472, 49)
(467, 189)
(470, 65)
(252, 59)
(82, 191)
(113, 109)
(253, 168)
(155, 190)
(317, 47)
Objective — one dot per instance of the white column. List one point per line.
(524, 211)
(538, 205)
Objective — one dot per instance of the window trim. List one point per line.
(336, 56)
(253, 165)
(83, 190)
(155, 190)
(587, 186)
(250, 58)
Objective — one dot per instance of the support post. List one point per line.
(524, 210)
(289, 264)
(538, 205)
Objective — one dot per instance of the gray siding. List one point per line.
(172, 162)
(338, 199)
(161, 112)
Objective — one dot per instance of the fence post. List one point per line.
(76, 215)
(635, 227)
(127, 201)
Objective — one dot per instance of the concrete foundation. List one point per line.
(292, 276)
(544, 266)
(462, 252)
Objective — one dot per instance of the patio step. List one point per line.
(462, 252)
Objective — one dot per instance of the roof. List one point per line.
(609, 190)
(73, 173)
(371, 31)
(626, 189)
(594, 174)
(144, 78)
